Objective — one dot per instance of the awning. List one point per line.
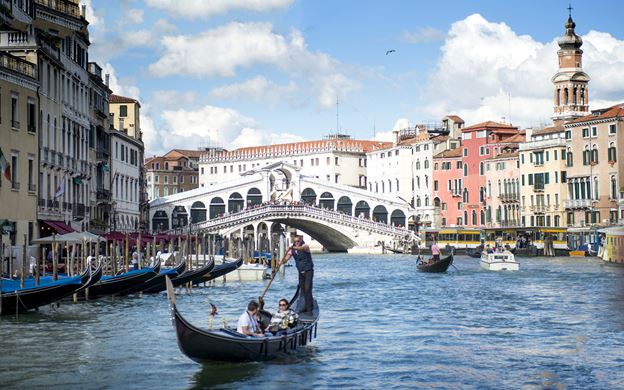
(59, 226)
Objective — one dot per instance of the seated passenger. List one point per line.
(489, 250)
(248, 321)
(283, 319)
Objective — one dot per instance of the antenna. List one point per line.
(337, 117)
(509, 107)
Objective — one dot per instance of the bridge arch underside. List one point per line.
(331, 238)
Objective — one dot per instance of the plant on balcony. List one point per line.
(98, 224)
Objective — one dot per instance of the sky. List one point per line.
(236, 73)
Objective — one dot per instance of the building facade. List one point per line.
(125, 171)
(503, 188)
(176, 171)
(19, 149)
(336, 159)
(447, 186)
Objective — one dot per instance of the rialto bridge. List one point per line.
(261, 201)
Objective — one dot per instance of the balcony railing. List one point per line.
(540, 208)
(577, 203)
(103, 194)
(538, 187)
(63, 6)
(509, 197)
(17, 64)
(79, 210)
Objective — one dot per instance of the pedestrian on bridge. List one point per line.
(305, 268)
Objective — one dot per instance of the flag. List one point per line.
(5, 167)
(77, 180)
(60, 190)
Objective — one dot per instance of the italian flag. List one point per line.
(4, 166)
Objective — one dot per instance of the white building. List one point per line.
(405, 167)
(125, 174)
(336, 159)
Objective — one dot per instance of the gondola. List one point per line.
(225, 344)
(118, 284)
(394, 250)
(157, 283)
(476, 252)
(219, 270)
(437, 267)
(16, 299)
(191, 275)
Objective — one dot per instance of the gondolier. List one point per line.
(305, 269)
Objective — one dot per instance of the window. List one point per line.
(31, 173)
(465, 152)
(32, 116)
(336, 160)
(594, 131)
(166, 179)
(612, 129)
(123, 111)
(435, 185)
(585, 132)
(481, 169)
(14, 113)
(568, 134)
(612, 153)
(14, 171)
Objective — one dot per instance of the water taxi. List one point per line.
(500, 261)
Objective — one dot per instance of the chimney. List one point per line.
(528, 134)
(395, 137)
(121, 124)
(84, 11)
(107, 79)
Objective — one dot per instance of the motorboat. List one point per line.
(499, 261)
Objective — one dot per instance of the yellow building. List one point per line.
(543, 187)
(126, 115)
(19, 145)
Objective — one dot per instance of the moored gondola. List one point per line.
(226, 344)
(118, 284)
(191, 275)
(16, 299)
(157, 283)
(438, 266)
(219, 270)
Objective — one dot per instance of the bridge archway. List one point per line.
(217, 208)
(179, 217)
(397, 218)
(254, 197)
(308, 196)
(198, 212)
(160, 221)
(326, 201)
(380, 214)
(236, 203)
(362, 209)
(345, 205)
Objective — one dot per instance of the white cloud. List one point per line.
(487, 72)
(164, 26)
(423, 35)
(95, 19)
(254, 137)
(258, 88)
(195, 9)
(174, 99)
(133, 16)
(222, 51)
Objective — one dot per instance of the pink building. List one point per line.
(480, 142)
(447, 186)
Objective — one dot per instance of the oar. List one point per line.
(274, 273)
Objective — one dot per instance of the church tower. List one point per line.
(571, 98)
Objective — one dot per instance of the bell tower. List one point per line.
(571, 99)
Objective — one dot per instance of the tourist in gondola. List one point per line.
(248, 321)
(305, 269)
(282, 319)
(435, 251)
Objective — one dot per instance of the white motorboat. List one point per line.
(502, 261)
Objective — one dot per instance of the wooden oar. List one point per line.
(274, 272)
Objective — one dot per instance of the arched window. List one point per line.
(499, 187)
(612, 153)
(389, 185)
(426, 201)
(397, 185)
(417, 164)
(481, 168)
(466, 197)
(482, 217)
(594, 155)
(435, 166)
(569, 157)
(466, 217)
(426, 164)
(489, 189)
(596, 194)
(418, 201)
(474, 217)
(465, 169)
(613, 188)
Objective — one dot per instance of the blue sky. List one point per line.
(238, 73)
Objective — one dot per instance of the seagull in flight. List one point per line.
(390, 51)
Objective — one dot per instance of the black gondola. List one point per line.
(476, 252)
(15, 299)
(191, 275)
(219, 270)
(118, 284)
(437, 267)
(223, 344)
(157, 283)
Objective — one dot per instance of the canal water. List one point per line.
(557, 323)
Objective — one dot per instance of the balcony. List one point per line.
(41, 202)
(540, 208)
(577, 203)
(32, 187)
(49, 202)
(17, 40)
(79, 210)
(44, 156)
(538, 187)
(52, 14)
(103, 194)
(509, 197)
(102, 155)
(456, 193)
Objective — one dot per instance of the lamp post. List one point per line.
(114, 216)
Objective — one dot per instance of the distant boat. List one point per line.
(438, 266)
(119, 284)
(18, 299)
(157, 283)
(191, 275)
(219, 270)
(226, 344)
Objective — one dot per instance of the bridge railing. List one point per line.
(305, 210)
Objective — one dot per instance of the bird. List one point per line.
(214, 311)
(390, 51)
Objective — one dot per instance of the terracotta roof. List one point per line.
(348, 145)
(490, 125)
(455, 118)
(185, 153)
(516, 138)
(121, 99)
(440, 138)
(548, 130)
(451, 153)
(611, 112)
(501, 156)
